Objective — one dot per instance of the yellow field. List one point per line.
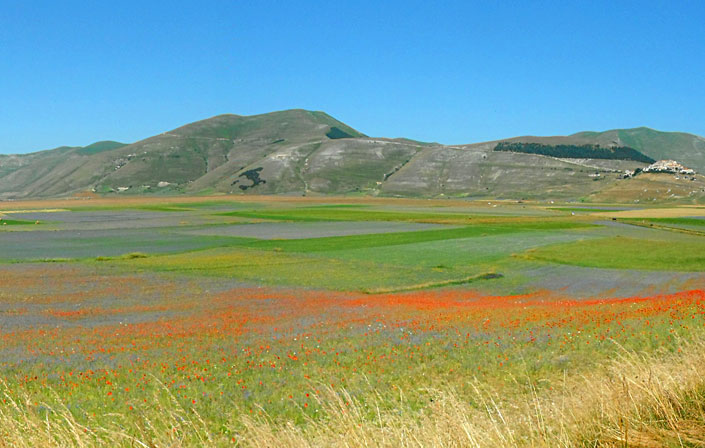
(670, 212)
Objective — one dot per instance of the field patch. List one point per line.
(168, 204)
(626, 253)
(308, 270)
(588, 209)
(72, 244)
(14, 222)
(697, 221)
(372, 262)
(404, 238)
(457, 253)
(347, 214)
(356, 214)
(304, 230)
(672, 212)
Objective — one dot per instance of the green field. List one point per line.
(626, 253)
(349, 214)
(686, 223)
(14, 222)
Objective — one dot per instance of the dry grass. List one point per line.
(24, 423)
(639, 401)
(671, 212)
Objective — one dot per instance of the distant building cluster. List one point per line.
(662, 166)
(668, 166)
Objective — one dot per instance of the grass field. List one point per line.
(14, 222)
(626, 253)
(122, 324)
(678, 221)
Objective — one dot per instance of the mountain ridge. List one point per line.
(297, 151)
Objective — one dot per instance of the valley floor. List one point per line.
(350, 322)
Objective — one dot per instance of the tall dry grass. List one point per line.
(640, 400)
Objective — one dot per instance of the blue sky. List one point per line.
(73, 72)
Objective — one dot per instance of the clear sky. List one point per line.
(75, 72)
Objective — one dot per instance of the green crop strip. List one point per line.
(583, 209)
(346, 214)
(625, 253)
(676, 221)
(402, 238)
(14, 222)
(336, 214)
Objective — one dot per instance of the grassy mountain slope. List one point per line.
(686, 148)
(53, 172)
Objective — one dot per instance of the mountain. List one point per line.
(206, 149)
(305, 152)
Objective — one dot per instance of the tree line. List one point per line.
(576, 151)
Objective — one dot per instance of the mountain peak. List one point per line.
(291, 124)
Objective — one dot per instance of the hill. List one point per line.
(305, 152)
(688, 149)
(52, 172)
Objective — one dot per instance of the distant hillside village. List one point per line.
(662, 166)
